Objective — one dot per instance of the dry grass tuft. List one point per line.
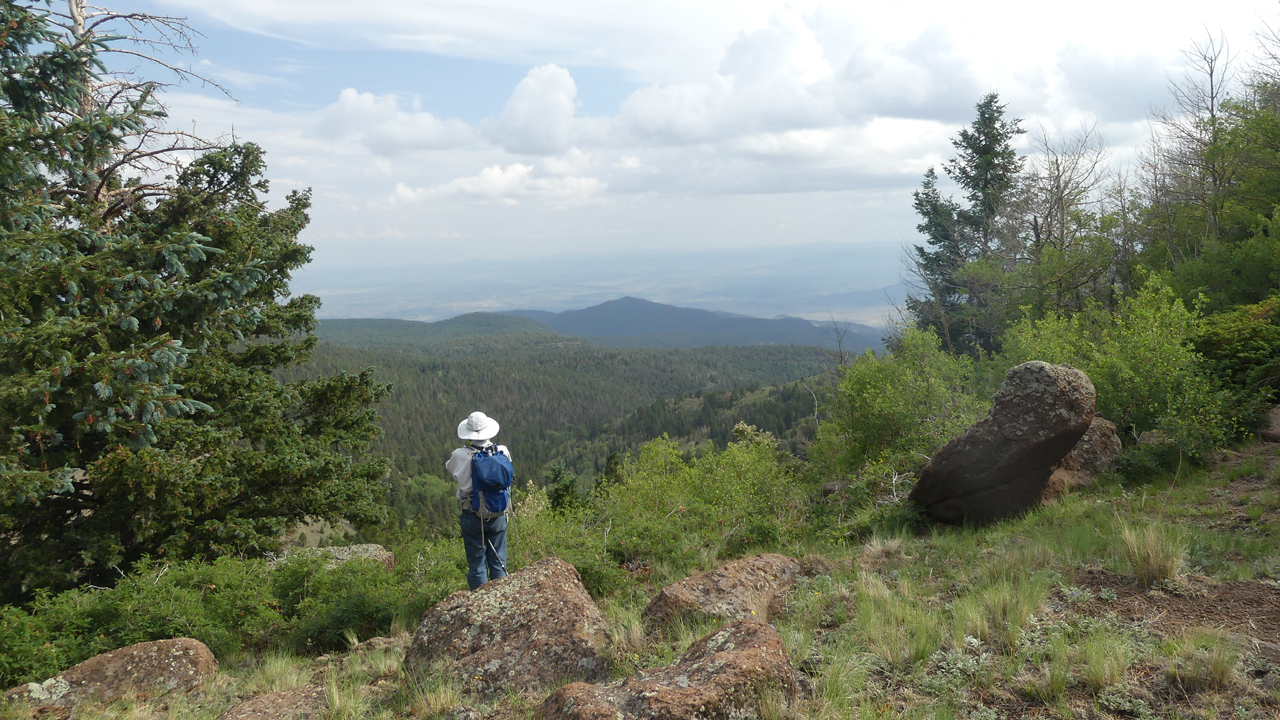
(1201, 660)
(1155, 552)
(275, 672)
(881, 551)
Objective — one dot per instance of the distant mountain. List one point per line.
(626, 322)
(633, 322)
(541, 316)
(413, 334)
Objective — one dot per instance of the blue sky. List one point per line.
(432, 130)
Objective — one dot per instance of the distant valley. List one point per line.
(855, 281)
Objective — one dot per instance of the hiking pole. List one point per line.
(501, 564)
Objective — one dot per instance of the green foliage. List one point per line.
(562, 488)
(895, 408)
(574, 535)
(554, 397)
(1142, 364)
(230, 605)
(676, 512)
(139, 335)
(1242, 347)
(986, 167)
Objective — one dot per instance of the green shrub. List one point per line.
(27, 652)
(1142, 364)
(230, 605)
(682, 513)
(574, 535)
(897, 407)
(1243, 350)
(358, 596)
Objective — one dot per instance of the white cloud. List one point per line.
(508, 185)
(378, 123)
(233, 77)
(538, 119)
(741, 115)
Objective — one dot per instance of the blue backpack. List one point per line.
(491, 476)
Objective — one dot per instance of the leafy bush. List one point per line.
(896, 407)
(230, 605)
(1243, 350)
(668, 510)
(572, 534)
(359, 596)
(1142, 363)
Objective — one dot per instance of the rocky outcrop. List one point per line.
(310, 702)
(339, 554)
(150, 668)
(720, 676)
(746, 588)
(533, 628)
(1093, 455)
(999, 467)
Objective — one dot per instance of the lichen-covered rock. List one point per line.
(719, 677)
(533, 628)
(339, 554)
(147, 669)
(999, 467)
(1093, 455)
(309, 702)
(746, 588)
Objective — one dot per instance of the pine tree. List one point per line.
(138, 344)
(986, 168)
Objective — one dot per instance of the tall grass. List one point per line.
(893, 624)
(1155, 552)
(999, 612)
(1202, 659)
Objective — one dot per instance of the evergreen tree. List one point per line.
(137, 344)
(986, 168)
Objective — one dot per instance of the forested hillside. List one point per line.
(544, 390)
(633, 322)
(702, 420)
(393, 334)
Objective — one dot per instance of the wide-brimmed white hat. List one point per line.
(477, 426)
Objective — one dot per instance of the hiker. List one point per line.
(483, 473)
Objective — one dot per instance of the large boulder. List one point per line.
(533, 628)
(146, 669)
(720, 676)
(340, 554)
(999, 467)
(1093, 455)
(746, 588)
(309, 702)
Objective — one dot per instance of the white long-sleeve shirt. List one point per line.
(459, 466)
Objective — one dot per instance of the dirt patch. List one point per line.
(1247, 607)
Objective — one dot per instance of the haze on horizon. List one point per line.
(608, 149)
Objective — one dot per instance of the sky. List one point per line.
(436, 132)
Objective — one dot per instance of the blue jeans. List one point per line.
(486, 545)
